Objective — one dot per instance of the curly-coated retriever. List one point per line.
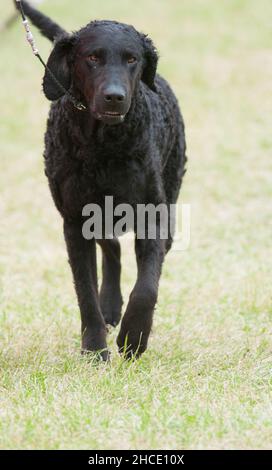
(129, 143)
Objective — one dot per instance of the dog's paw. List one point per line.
(132, 343)
(94, 343)
(97, 356)
(111, 308)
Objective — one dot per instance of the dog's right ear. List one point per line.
(59, 64)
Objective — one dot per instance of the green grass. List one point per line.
(205, 381)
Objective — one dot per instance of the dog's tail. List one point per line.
(47, 27)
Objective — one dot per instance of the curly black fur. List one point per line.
(88, 155)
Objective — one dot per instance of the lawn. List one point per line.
(205, 381)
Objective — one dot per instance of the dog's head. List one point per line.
(103, 63)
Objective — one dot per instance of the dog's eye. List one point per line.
(93, 58)
(131, 60)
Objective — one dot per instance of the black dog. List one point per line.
(129, 143)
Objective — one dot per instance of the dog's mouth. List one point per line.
(112, 114)
(109, 117)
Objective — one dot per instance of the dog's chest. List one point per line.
(124, 180)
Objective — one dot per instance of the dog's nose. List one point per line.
(114, 95)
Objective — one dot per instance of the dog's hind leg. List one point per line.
(110, 292)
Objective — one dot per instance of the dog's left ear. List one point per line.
(150, 65)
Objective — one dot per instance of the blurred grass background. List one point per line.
(205, 381)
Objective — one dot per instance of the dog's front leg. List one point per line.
(82, 258)
(136, 325)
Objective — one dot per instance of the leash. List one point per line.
(30, 38)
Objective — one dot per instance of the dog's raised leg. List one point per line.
(82, 258)
(136, 324)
